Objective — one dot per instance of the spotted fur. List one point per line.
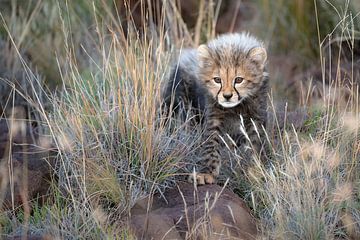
(225, 81)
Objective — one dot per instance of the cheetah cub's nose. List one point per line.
(227, 96)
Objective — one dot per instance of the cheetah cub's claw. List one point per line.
(201, 178)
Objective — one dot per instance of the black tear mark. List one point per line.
(217, 99)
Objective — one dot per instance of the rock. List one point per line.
(31, 176)
(208, 212)
(25, 166)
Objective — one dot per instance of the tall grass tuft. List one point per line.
(115, 145)
(311, 189)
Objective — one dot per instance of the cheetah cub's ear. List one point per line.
(258, 55)
(204, 55)
(203, 51)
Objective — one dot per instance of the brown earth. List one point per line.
(205, 212)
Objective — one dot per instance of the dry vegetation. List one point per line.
(115, 147)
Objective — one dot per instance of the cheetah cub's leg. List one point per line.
(210, 155)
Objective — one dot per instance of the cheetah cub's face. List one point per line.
(229, 74)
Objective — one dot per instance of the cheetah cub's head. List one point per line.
(232, 68)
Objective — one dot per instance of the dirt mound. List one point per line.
(207, 212)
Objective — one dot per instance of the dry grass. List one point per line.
(115, 146)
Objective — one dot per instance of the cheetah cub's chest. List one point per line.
(230, 126)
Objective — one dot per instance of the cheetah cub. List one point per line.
(225, 82)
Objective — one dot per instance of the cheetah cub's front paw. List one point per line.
(201, 178)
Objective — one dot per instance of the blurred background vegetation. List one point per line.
(291, 29)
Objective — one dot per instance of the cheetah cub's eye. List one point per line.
(217, 80)
(238, 80)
